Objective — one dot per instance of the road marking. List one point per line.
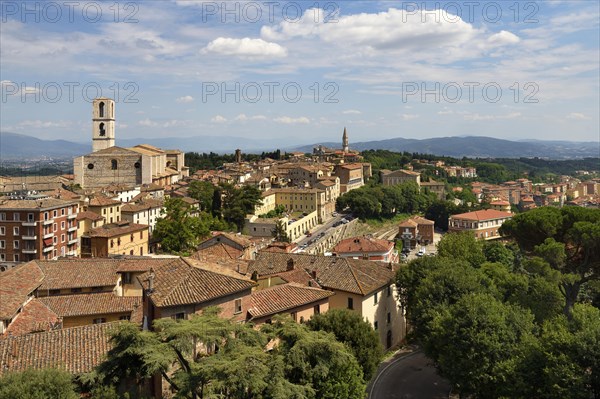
(387, 367)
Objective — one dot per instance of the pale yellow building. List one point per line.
(121, 238)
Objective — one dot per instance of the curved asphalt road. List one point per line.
(409, 377)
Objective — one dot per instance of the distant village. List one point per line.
(77, 253)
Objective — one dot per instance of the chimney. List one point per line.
(314, 274)
(151, 281)
(290, 264)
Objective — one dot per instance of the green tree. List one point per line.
(462, 245)
(280, 232)
(202, 191)
(239, 202)
(495, 251)
(567, 238)
(38, 384)
(350, 328)
(476, 344)
(178, 231)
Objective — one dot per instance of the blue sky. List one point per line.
(298, 72)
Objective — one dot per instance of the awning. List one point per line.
(48, 242)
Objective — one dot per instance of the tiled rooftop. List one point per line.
(16, 284)
(363, 244)
(284, 297)
(90, 304)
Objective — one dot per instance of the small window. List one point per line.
(375, 299)
(375, 325)
(238, 306)
(113, 164)
(179, 316)
(100, 320)
(389, 291)
(54, 213)
(2, 230)
(90, 166)
(55, 240)
(62, 212)
(2, 216)
(55, 227)
(294, 316)
(62, 225)
(389, 318)
(62, 238)
(16, 216)
(112, 243)
(131, 237)
(15, 231)
(16, 244)
(16, 257)
(131, 252)
(137, 165)
(317, 309)
(126, 277)
(350, 303)
(125, 318)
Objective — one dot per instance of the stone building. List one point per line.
(109, 164)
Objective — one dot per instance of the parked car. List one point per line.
(421, 251)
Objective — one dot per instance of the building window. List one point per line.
(16, 216)
(55, 227)
(112, 243)
(317, 309)
(179, 316)
(16, 244)
(2, 230)
(131, 237)
(238, 306)
(113, 164)
(141, 234)
(294, 316)
(389, 318)
(75, 290)
(350, 303)
(2, 216)
(100, 320)
(55, 213)
(389, 291)
(2, 244)
(2, 257)
(62, 225)
(375, 325)
(375, 300)
(90, 166)
(126, 278)
(15, 231)
(55, 240)
(131, 252)
(126, 317)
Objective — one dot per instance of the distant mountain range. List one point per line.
(478, 146)
(18, 146)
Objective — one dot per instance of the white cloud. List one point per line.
(246, 47)
(218, 119)
(351, 112)
(292, 121)
(185, 99)
(445, 111)
(577, 116)
(478, 117)
(244, 118)
(408, 117)
(147, 123)
(503, 37)
(38, 124)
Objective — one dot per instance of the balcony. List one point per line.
(48, 249)
(29, 251)
(71, 242)
(28, 237)
(47, 222)
(71, 216)
(72, 229)
(28, 223)
(49, 235)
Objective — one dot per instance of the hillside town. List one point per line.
(82, 253)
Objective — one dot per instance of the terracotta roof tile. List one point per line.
(363, 245)
(350, 275)
(34, 317)
(284, 297)
(219, 250)
(487, 214)
(101, 200)
(77, 350)
(113, 230)
(78, 273)
(181, 283)
(90, 304)
(16, 284)
(89, 215)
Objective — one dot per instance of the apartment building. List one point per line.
(483, 224)
(37, 229)
(121, 238)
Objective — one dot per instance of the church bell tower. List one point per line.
(345, 142)
(103, 124)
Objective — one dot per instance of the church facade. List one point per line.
(109, 164)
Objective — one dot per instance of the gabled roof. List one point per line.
(284, 297)
(114, 230)
(363, 245)
(357, 276)
(78, 273)
(16, 284)
(219, 250)
(76, 350)
(402, 173)
(114, 150)
(37, 204)
(181, 283)
(101, 200)
(34, 317)
(487, 214)
(91, 304)
(89, 215)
